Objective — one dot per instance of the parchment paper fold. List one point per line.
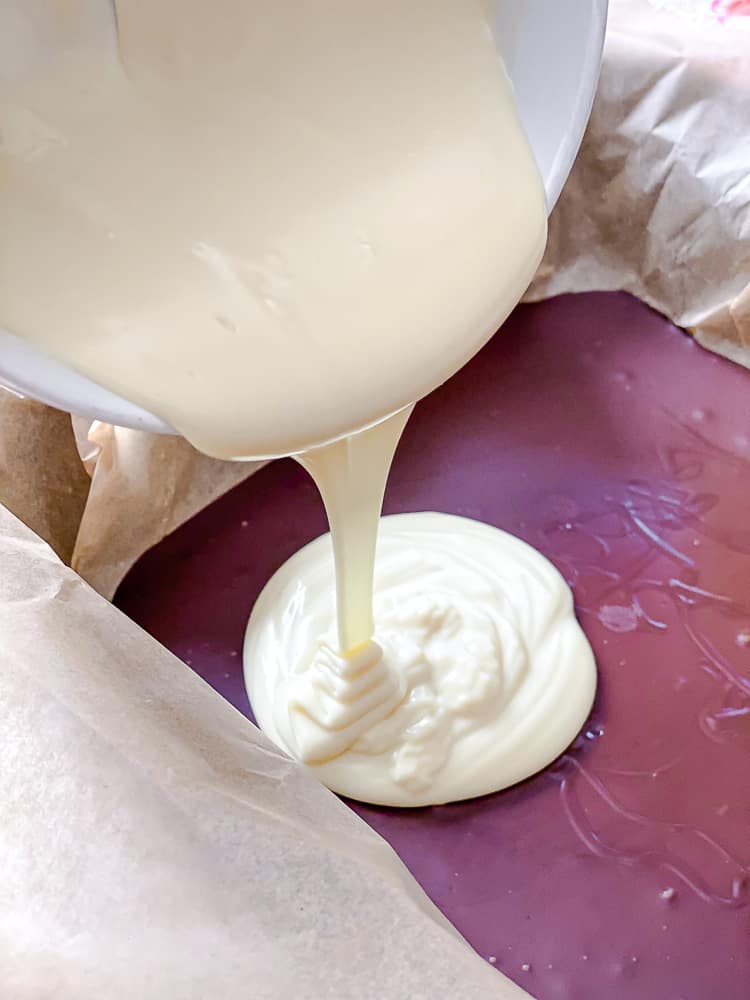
(154, 845)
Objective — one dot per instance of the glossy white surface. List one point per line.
(479, 674)
(552, 50)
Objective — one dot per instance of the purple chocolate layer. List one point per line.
(605, 437)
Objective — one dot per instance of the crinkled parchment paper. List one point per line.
(658, 203)
(143, 486)
(155, 845)
(42, 480)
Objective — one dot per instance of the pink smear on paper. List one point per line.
(731, 8)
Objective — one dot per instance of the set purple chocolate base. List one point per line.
(605, 437)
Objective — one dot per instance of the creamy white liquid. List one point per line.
(275, 224)
(272, 223)
(478, 677)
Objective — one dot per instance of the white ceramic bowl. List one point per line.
(552, 49)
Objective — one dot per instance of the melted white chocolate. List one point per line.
(478, 676)
(270, 223)
(275, 224)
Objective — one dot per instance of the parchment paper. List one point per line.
(41, 477)
(658, 203)
(155, 845)
(143, 486)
